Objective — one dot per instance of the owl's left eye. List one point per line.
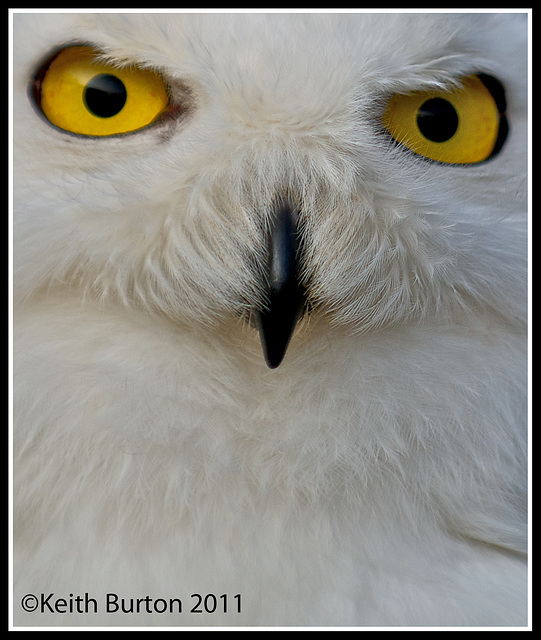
(80, 94)
(465, 125)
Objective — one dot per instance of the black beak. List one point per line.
(285, 294)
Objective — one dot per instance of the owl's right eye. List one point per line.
(80, 94)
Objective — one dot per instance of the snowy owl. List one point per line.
(270, 355)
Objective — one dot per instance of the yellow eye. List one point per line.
(82, 95)
(461, 126)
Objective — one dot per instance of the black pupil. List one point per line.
(437, 120)
(105, 95)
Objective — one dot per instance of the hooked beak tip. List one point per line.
(275, 333)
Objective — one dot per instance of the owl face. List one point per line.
(367, 168)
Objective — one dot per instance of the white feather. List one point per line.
(377, 477)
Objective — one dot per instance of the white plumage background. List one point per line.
(374, 474)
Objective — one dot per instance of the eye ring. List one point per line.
(464, 125)
(79, 94)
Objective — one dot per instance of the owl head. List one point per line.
(368, 169)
